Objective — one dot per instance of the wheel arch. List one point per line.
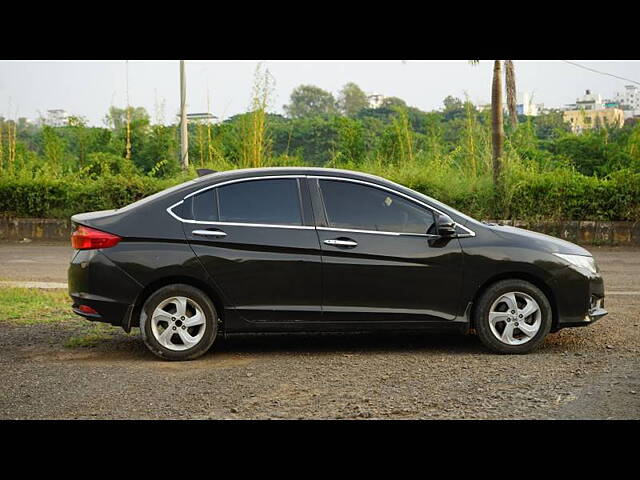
(148, 290)
(528, 277)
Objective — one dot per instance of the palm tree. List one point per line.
(497, 119)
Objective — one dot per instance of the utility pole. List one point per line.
(184, 140)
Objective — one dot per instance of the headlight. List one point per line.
(580, 261)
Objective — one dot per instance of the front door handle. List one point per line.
(210, 233)
(341, 242)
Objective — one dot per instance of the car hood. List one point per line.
(538, 241)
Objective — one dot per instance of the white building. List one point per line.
(629, 99)
(589, 101)
(205, 117)
(525, 105)
(56, 118)
(375, 100)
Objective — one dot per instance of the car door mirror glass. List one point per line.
(445, 226)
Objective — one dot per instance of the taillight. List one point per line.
(85, 238)
(87, 309)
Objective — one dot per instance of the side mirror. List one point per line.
(445, 226)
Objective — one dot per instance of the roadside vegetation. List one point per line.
(28, 306)
(32, 306)
(547, 172)
(93, 335)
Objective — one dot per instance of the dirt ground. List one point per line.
(583, 373)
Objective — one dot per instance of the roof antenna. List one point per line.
(205, 171)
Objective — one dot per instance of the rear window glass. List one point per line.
(204, 206)
(274, 201)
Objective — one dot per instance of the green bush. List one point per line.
(61, 198)
(530, 194)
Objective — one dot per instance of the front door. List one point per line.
(381, 261)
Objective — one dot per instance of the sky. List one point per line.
(89, 88)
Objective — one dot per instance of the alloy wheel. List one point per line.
(515, 318)
(178, 323)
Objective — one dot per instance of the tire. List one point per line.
(519, 332)
(191, 322)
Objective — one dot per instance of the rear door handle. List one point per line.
(210, 233)
(341, 243)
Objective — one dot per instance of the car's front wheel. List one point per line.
(178, 322)
(513, 316)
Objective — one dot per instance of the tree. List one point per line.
(497, 121)
(510, 83)
(497, 117)
(53, 146)
(393, 102)
(351, 143)
(254, 144)
(79, 126)
(129, 124)
(309, 100)
(453, 108)
(352, 99)
(117, 117)
(550, 124)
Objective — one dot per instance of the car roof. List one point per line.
(193, 186)
(266, 171)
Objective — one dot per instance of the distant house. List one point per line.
(56, 118)
(525, 105)
(202, 117)
(375, 100)
(590, 101)
(590, 111)
(629, 99)
(585, 119)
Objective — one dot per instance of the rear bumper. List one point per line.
(91, 272)
(108, 310)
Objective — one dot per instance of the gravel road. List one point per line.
(578, 373)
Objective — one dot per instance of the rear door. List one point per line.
(257, 240)
(381, 258)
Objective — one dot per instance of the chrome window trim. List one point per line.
(470, 233)
(240, 224)
(248, 179)
(171, 212)
(233, 224)
(237, 224)
(379, 232)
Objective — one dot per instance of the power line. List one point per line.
(602, 73)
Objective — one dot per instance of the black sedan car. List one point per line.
(311, 249)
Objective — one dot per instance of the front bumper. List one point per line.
(580, 299)
(596, 309)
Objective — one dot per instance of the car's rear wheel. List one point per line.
(178, 322)
(513, 316)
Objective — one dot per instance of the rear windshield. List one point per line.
(159, 194)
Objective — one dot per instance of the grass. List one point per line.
(96, 335)
(27, 306)
(31, 306)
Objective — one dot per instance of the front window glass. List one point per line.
(360, 207)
